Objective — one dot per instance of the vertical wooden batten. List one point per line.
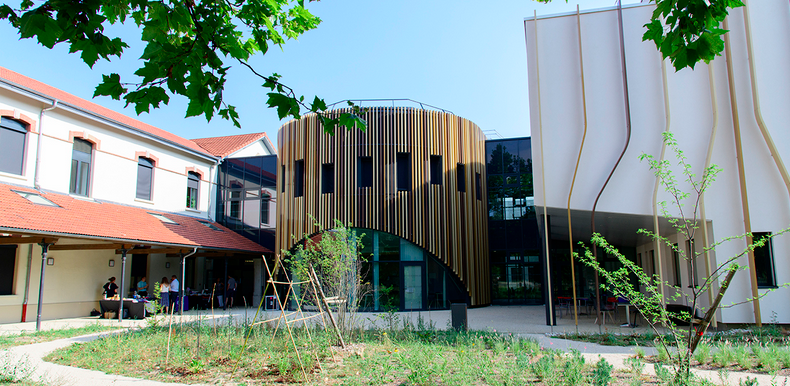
(451, 225)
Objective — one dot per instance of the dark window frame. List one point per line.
(327, 178)
(479, 186)
(460, 177)
(403, 171)
(79, 183)
(299, 178)
(193, 190)
(436, 169)
(365, 172)
(8, 269)
(146, 165)
(266, 199)
(676, 265)
(770, 264)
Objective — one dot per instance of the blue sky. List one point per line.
(465, 57)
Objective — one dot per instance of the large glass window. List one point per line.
(404, 276)
(12, 145)
(81, 157)
(764, 261)
(193, 186)
(145, 178)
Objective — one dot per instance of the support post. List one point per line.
(123, 283)
(183, 283)
(44, 250)
(225, 286)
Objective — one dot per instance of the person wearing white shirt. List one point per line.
(174, 287)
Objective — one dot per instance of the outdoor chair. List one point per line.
(609, 307)
(564, 302)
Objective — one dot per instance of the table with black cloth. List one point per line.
(136, 310)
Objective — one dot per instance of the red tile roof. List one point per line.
(101, 220)
(225, 146)
(82, 104)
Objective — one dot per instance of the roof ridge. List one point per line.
(27, 83)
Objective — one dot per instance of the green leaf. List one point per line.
(110, 86)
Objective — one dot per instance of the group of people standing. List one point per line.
(168, 290)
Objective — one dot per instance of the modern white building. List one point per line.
(597, 104)
(83, 187)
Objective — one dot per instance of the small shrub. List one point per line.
(662, 373)
(545, 369)
(702, 354)
(635, 365)
(602, 373)
(749, 381)
(724, 356)
(743, 357)
(639, 352)
(574, 369)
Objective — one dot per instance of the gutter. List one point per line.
(38, 142)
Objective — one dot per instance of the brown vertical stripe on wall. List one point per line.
(449, 224)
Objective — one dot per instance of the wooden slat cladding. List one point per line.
(451, 225)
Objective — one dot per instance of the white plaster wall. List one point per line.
(691, 119)
(114, 164)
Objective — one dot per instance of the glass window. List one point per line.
(193, 185)
(145, 178)
(403, 165)
(80, 167)
(436, 170)
(365, 170)
(479, 186)
(265, 202)
(12, 145)
(35, 198)
(460, 176)
(235, 204)
(7, 269)
(676, 265)
(328, 178)
(282, 185)
(764, 261)
(299, 178)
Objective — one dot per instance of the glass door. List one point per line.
(412, 286)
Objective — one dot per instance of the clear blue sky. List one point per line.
(466, 57)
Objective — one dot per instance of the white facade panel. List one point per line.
(557, 122)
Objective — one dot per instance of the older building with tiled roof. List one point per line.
(87, 193)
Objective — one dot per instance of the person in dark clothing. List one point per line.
(231, 290)
(110, 288)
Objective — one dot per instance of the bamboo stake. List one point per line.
(326, 305)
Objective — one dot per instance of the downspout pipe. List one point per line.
(549, 292)
(38, 142)
(625, 147)
(736, 125)
(576, 169)
(183, 280)
(704, 218)
(27, 282)
(44, 250)
(656, 231)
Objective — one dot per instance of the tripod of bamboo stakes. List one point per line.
(324, 312)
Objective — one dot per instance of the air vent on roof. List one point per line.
(163, 218)
(36, 198)
(210, 225)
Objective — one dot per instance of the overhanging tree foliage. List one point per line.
(190, 45)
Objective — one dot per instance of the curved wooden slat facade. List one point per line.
(451, 225)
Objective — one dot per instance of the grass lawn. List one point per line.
(7, 341)
(201, 353)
